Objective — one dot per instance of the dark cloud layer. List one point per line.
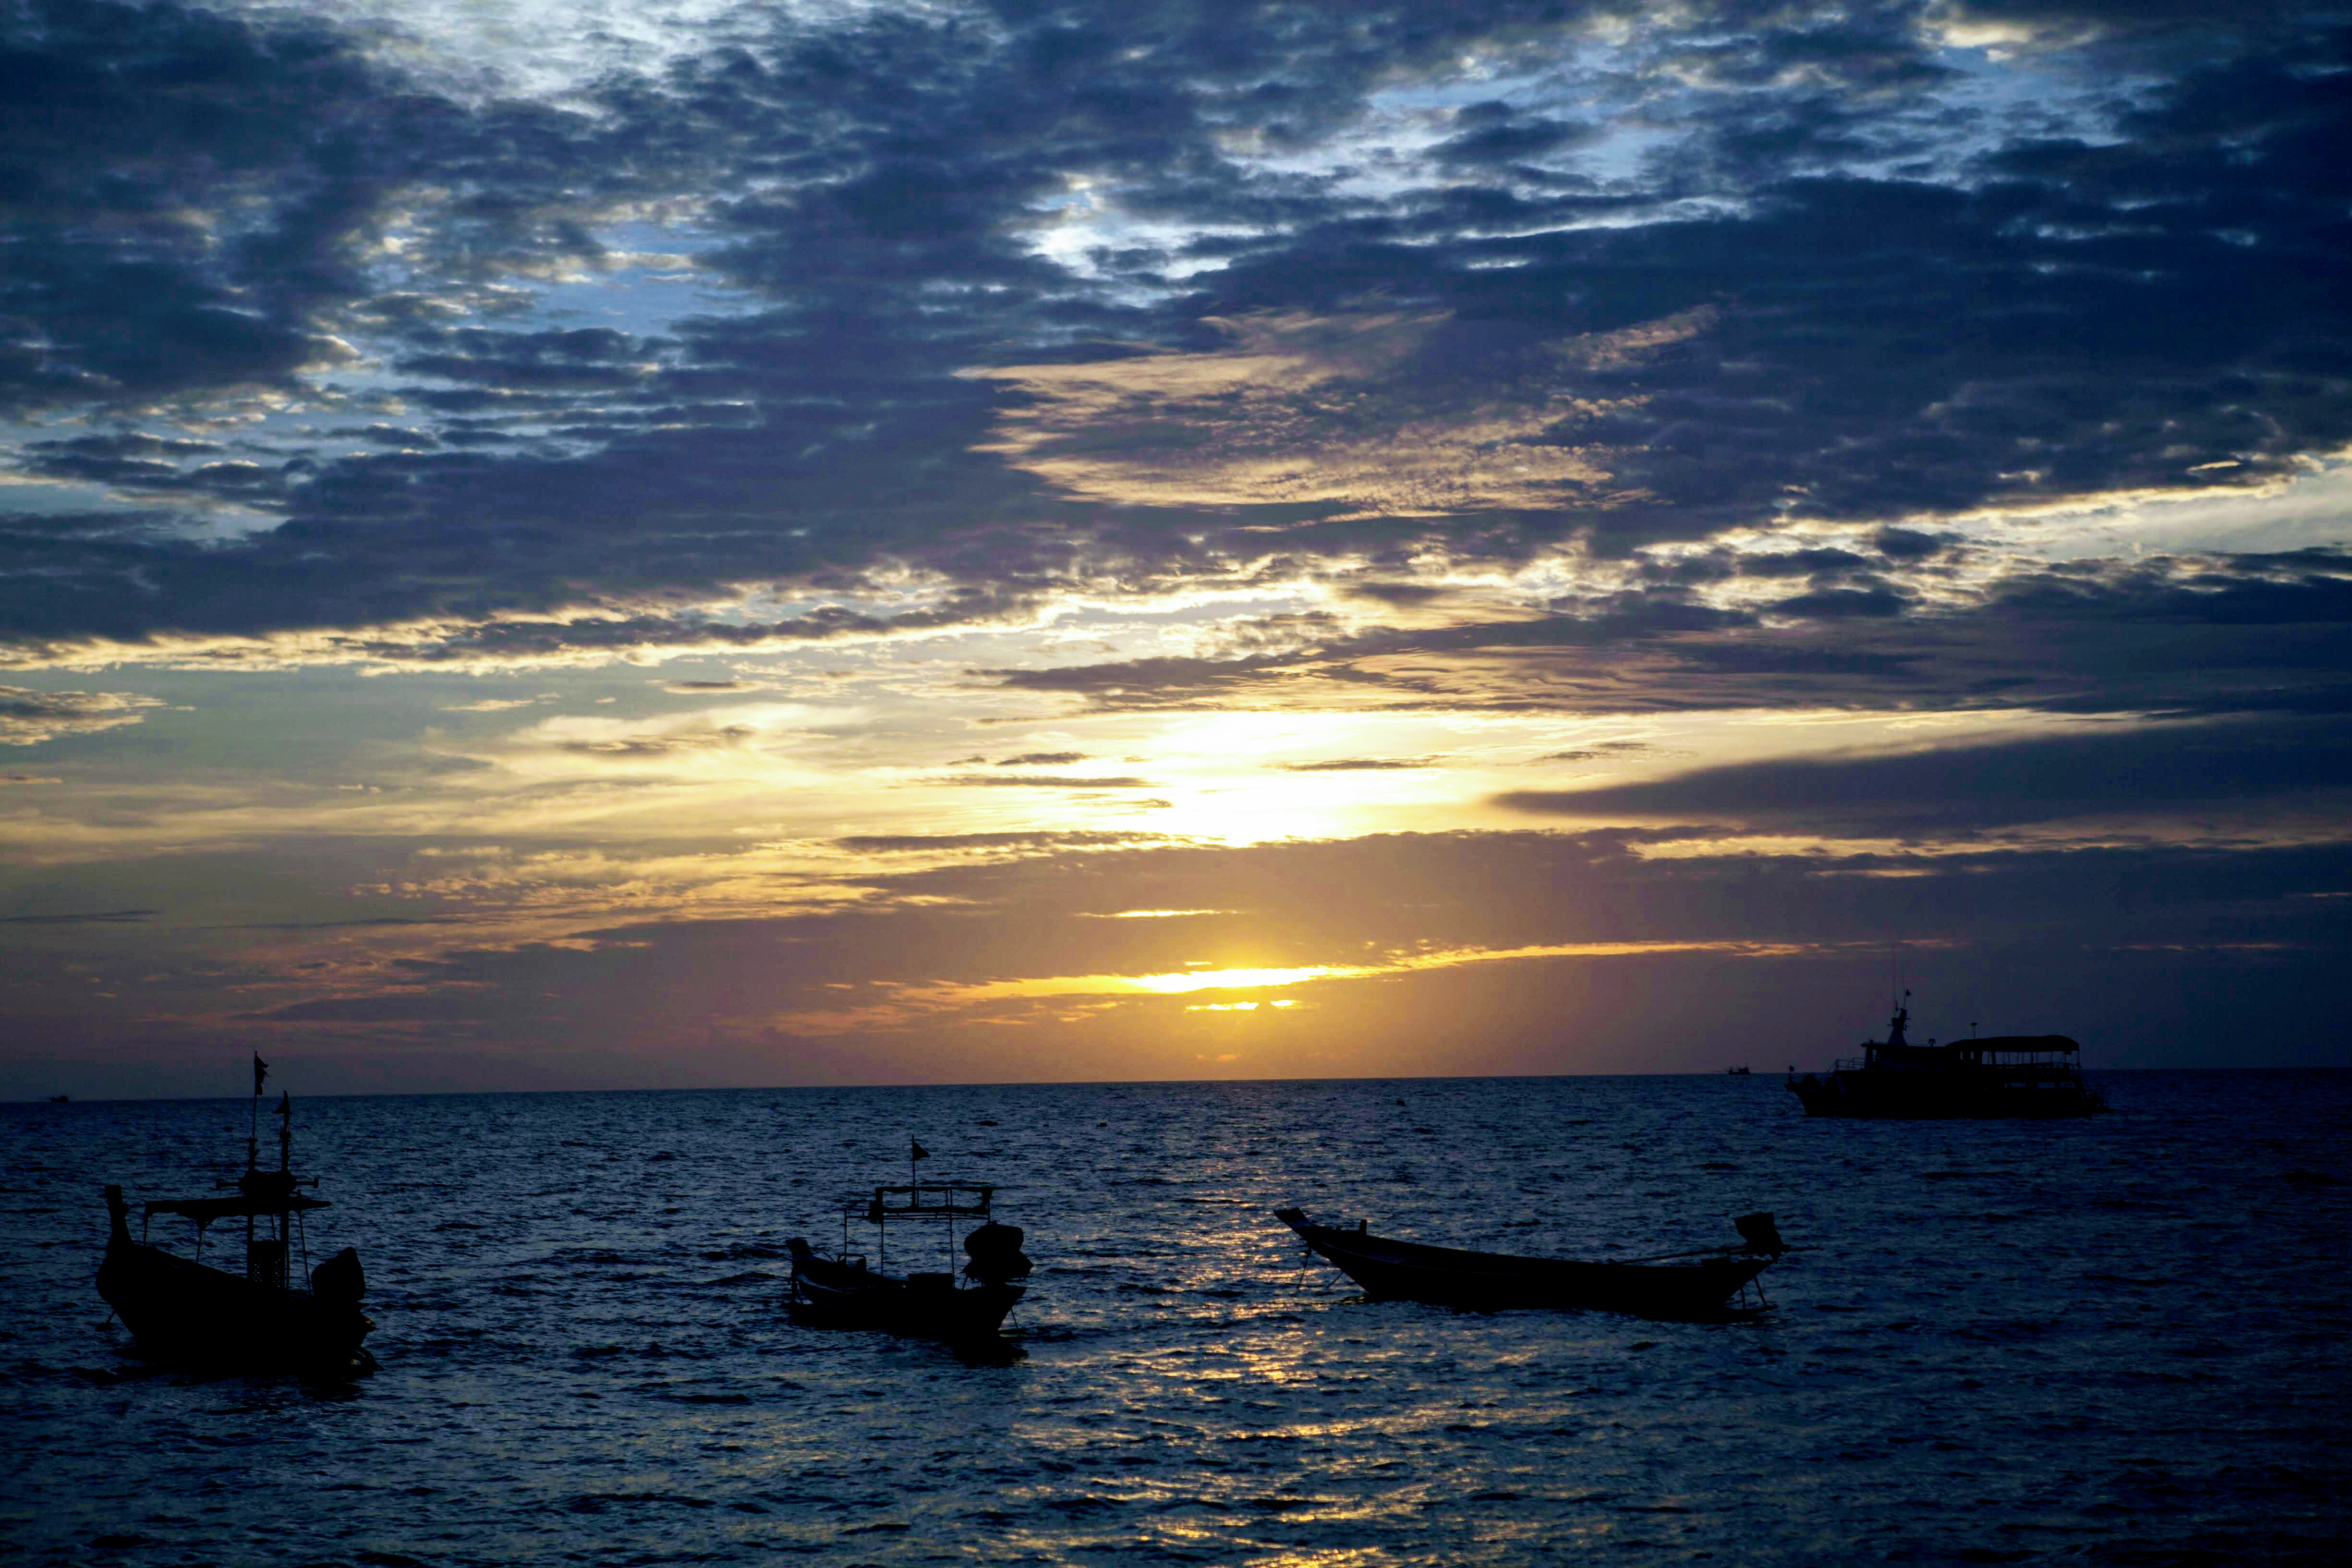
(2295, 766)
(106, 917)
(1906, 306)
(2206, 635)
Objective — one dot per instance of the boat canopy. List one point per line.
(931, 1200)
(204, 1211)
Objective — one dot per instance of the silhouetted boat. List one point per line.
(1740, 1071)
(2003, 1074)
(844, 1291)
(1697, 1284)
(183, 1310)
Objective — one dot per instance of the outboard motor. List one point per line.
(1760, 1234)
(338, 1279)
(995, 1253)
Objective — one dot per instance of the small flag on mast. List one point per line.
(260, 1071)
(918, 1152)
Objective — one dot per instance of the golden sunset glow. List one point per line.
(904, 1005)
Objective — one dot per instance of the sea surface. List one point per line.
(2120, 1341)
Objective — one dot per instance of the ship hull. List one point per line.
(189, 1314)
(827, 1294)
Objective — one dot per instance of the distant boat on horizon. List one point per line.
(1740, 1071)
(2028, 1075)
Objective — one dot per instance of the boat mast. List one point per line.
(915, 1151)
(253, 1126)
(252, 1153)
(289, 1218)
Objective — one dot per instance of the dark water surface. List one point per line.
(2114, 1341)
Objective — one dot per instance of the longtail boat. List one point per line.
(1703, 1283)
(847, 1291)
(183, 1310)
(2028, 1076)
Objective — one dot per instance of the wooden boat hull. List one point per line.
(1391, 1271)
(830, 1294)
(187, 1313)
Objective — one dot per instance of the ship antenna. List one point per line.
(253, 1125)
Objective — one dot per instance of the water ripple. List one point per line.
(2102, 1342)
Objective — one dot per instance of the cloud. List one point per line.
(736, 737)
(724, 738)
(2153, 773)
(2207, 633)
(1494, 133)
(1302, 408)
(1032, 310)
(1038, 781)
(28, 717)
(988, 843)
(1839, 604)
(2059, 22)
(106, 917)
(1148, 914)
(1361, 765)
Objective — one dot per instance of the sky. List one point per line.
(609, 545)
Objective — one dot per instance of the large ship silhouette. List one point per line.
(2000, 1075)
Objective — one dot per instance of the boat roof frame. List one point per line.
(205, 1211)
(914, 1207)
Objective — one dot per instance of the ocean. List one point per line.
(2117, 1340)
